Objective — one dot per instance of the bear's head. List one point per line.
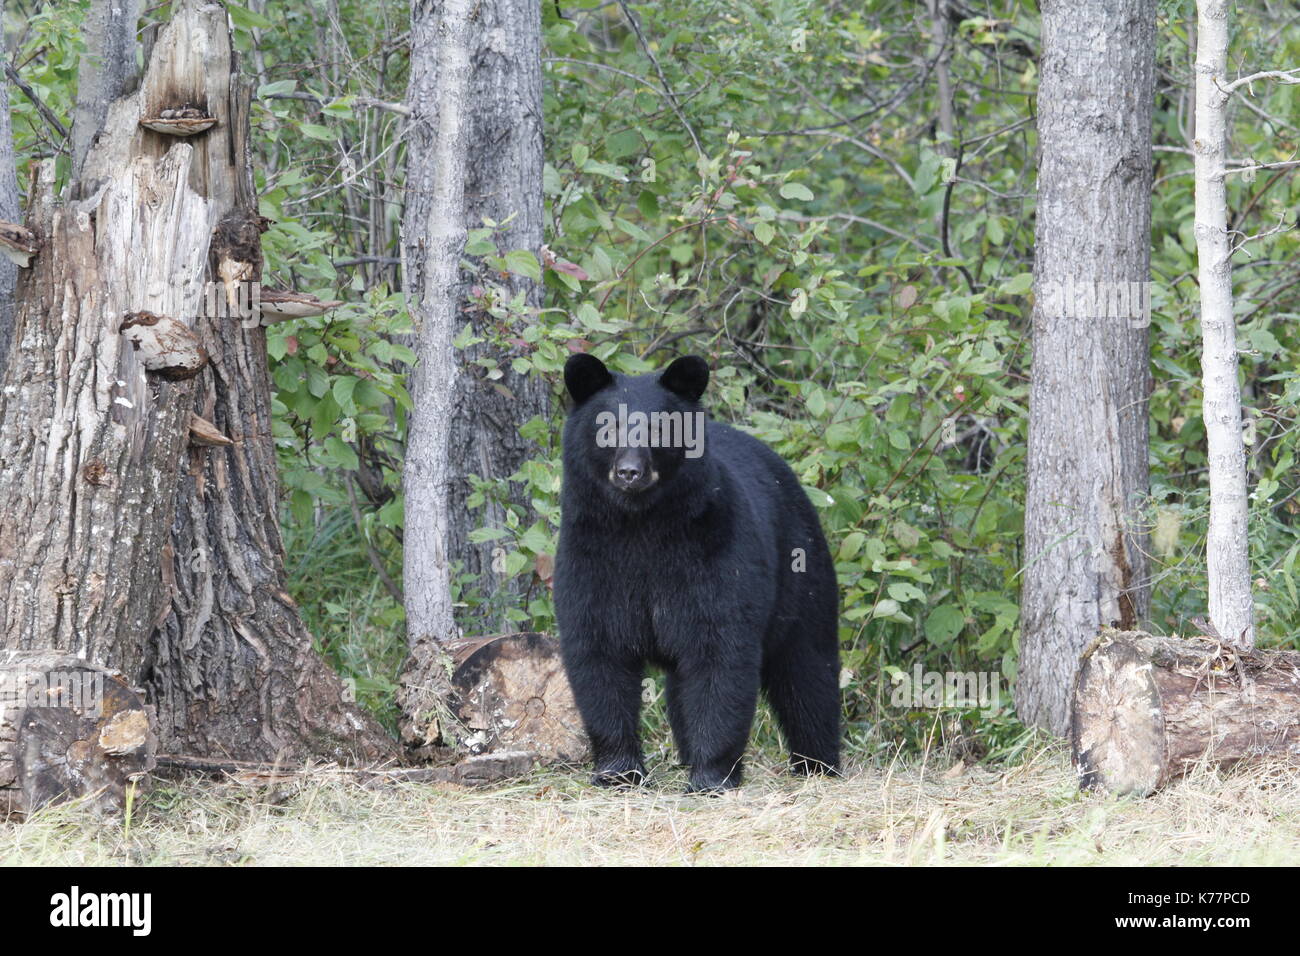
(632, 435)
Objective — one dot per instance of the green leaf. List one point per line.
(465, 338)
(300, 504)
(343, 389)
(851, 545)
(342, 452)
(245, 19)
(524, 263)
(943, 624)
(318, 383)
(1018, 284)
(902, 592)
(536, 540)
(623, 144)
(608, 170)
(280, 86)
(796, 191)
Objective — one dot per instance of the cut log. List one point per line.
(69, 729)
(1147, 709)
(511, 693)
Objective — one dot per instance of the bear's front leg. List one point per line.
(607, 690)
(715, 695)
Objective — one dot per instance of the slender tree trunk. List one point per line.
(433, 238)
(941, 52)
(231, 665)
(475, 154)
(1087, 464)
(9, 210)
(1227, 553)
(503, 182)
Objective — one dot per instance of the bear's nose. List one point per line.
(632, 470)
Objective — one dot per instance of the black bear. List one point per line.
(690, 545)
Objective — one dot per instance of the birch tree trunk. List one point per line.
(1227, 553)
(433, 238)
(1087, 455)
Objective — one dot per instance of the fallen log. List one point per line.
(68, 729)
(1148, 709)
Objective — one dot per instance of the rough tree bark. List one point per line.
(91, 439)
(231, 665)
(475, 152)
(97, 415)
(503, 183)
(1227, 551)
(1087, 456)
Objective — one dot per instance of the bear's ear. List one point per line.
(584, 376)
(688, 376)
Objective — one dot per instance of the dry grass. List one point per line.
(902, 815)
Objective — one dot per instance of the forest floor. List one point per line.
(1029, 814)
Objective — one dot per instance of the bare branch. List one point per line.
(1279, 76)
(46, 113)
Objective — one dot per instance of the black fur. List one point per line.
(687, 563)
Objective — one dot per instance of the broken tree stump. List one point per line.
(512, 693)
(1147, 708)
(68, 729)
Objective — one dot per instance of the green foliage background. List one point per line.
(765, 184)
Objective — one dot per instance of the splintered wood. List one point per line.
(1148, 709)
(512, 694)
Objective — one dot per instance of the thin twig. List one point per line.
(28, 92)
(668, 90)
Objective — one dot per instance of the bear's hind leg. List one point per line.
(803, 687)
